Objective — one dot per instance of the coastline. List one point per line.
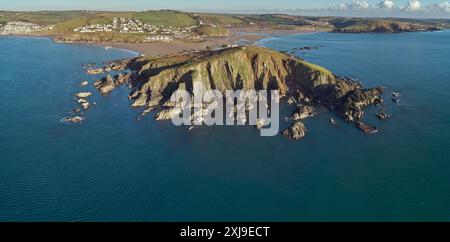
(248, 35)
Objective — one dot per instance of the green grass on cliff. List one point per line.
(246, 68)
(315, 67)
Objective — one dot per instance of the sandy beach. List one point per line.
(248, 34)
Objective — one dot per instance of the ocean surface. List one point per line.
(113, 167)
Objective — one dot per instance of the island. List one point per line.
(152, 81)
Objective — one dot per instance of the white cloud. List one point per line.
(386, 4)
(444, 6)
(355, 5)
(386, 8)
(413, 5)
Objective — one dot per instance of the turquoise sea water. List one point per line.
(115, 168)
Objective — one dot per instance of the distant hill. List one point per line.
(63, 23)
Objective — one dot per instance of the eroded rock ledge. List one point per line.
(153, 80)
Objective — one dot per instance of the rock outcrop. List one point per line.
(304, 112)
(74, 119)
(108, 83)
(83, 94)
(382, 115)
(352, 106)
(367, 129)
(296, 132)
(94, 71)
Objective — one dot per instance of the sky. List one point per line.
(362, 8)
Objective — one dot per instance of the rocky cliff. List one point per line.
(153, 80)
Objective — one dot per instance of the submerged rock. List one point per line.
(382, 115)
(333, 122)
(367, 129)
(74, 119)
(94, 71)
(296, 132)
(83, 94)
(395, 94)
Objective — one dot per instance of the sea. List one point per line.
(115, 167)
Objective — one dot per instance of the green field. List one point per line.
(3, 20)
(46, 17)
(275, 19)
(221, 19)
(167, 17)
(107, 17)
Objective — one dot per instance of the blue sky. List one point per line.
(178, 4)
(407, 8)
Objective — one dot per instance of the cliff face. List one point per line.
(247, 68)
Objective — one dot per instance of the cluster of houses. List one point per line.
(159, 38)
(122, 25)
(18, 27)
(128, 25)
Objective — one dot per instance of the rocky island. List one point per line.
(153, 80)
